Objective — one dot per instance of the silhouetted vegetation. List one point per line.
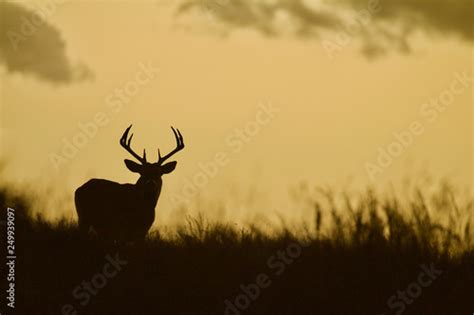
(354, 257)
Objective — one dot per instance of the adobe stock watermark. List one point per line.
(115, 102)
(350, 28)
(235, 143)
(429, 113)
(277, 265)
(30, 24)
(399, 301)
(10, 259)
(84, 292)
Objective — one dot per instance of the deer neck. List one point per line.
(149, 193)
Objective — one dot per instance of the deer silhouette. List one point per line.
(125, 212)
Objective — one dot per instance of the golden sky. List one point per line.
(267, 94)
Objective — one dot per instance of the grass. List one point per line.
(354, 258)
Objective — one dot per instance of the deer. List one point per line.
(124, 212)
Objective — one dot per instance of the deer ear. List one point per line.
(132, 166)
(168, 167)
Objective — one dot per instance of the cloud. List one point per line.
(31, 46)
(262, 16)
(441, 17)
(380, 24)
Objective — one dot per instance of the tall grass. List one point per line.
(356, 254)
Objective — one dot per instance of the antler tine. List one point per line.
(125, 135)
(179, 146)
(125, 143)
(178, 136)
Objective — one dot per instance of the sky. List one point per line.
(267, 94)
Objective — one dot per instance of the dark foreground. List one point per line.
(375, 262)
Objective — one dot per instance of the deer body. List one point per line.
(124, 212)
(132, 210)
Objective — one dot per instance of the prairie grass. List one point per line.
(355, 255)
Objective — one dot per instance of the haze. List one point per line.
(305, 114)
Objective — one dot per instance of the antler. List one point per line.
(179, 147)
(125, 143)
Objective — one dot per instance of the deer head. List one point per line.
(150, 173)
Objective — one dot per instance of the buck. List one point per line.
(125, 212)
